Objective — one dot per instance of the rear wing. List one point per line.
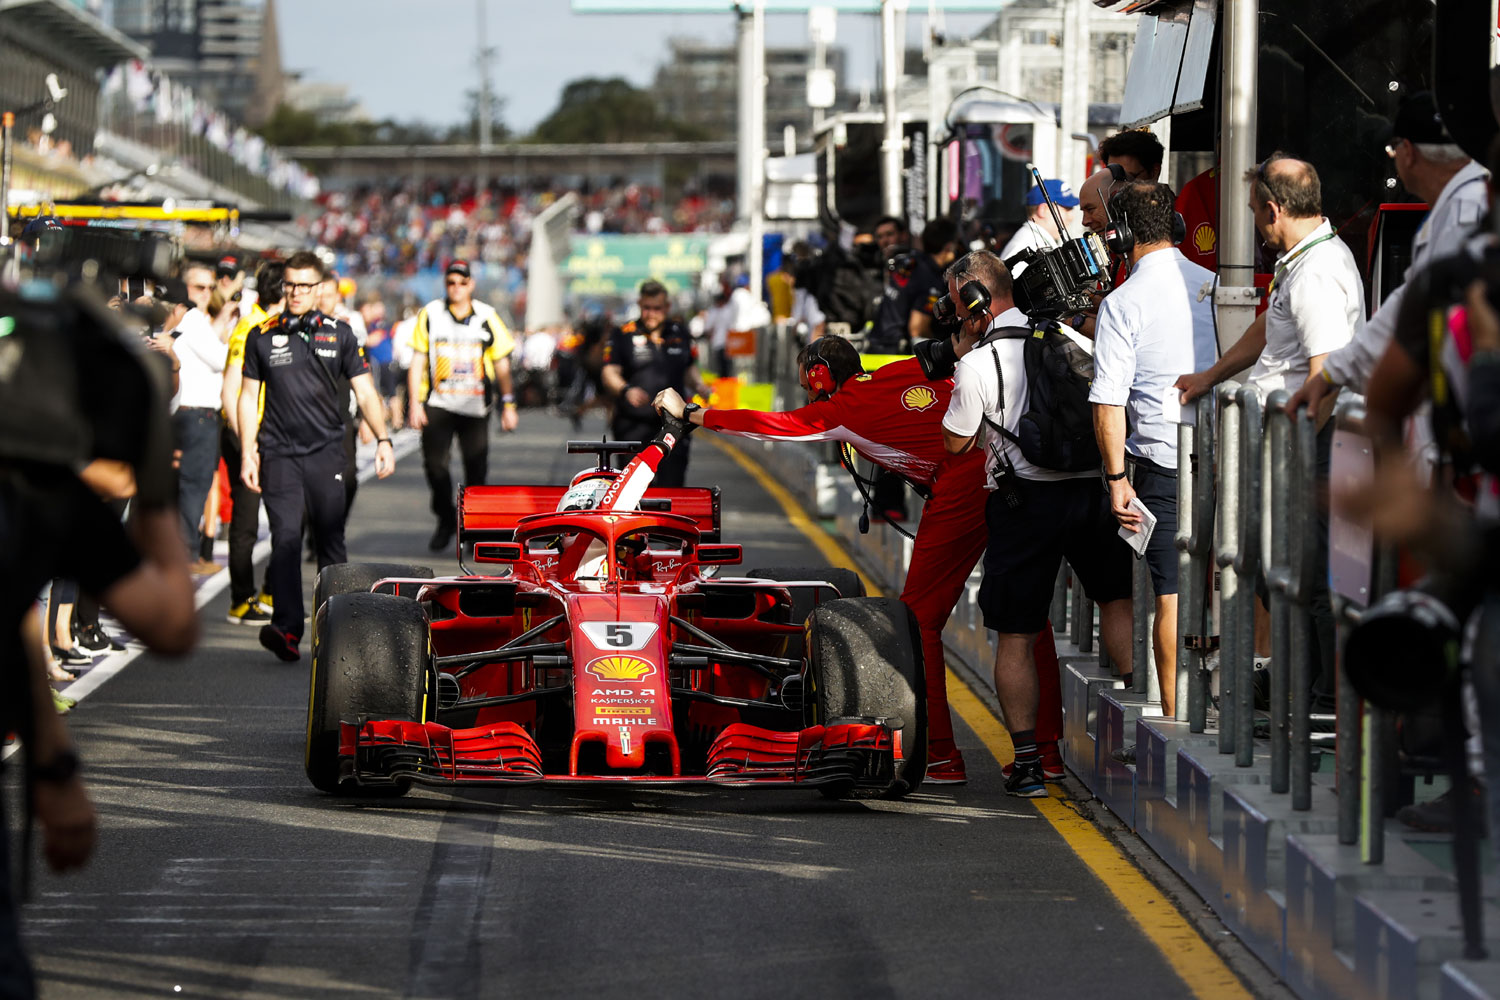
(490, 513)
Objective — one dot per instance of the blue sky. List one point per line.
(413, 59)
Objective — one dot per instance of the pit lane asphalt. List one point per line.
(221, 871)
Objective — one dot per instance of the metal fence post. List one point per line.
(1226, 529)
(1279, 440)
(1304, 557)
(1245, 570)
(1141, 661)
(1195, 521)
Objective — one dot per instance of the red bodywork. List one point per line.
(646, 669)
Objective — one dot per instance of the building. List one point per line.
(699, 85)
(226, 51)
(1030, 36)
(330, 102)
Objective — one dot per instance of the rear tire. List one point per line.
(358, 578)
(371, 659)
(864, 661)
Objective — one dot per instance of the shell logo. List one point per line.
(620, 668)
(918, 397)
(1204, 238)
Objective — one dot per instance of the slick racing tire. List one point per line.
(371, 660)
(358, 578)
(864, 661)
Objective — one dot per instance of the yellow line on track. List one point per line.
(1185, 950)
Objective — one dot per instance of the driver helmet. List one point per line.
(587, 489)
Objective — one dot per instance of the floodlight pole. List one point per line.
(752, 134)
(891, 48)
(485, 137)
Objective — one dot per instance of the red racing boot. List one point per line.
(945, 764)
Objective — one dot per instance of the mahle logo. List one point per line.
(620, 668)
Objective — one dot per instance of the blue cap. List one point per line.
(1061, 194)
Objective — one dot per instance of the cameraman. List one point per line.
(1150, 330)
(892, 418)
(1036, 517)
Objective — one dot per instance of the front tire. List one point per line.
(864, 661)
(358, 578)
(372, 656)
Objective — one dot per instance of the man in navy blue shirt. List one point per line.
(294, 455)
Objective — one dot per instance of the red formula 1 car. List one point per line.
(604, 647)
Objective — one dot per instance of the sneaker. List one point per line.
(945, 766)
(283, 644)
(441, 537)
(1051, 762)
(72, 657)
(249, 612)
(1123, 755)
(96, 640)
(204, 567)
(1026, 782)
(63, 703)
(265, 601)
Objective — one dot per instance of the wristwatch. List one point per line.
(383, 441)
(57, 771)
(1077, 320)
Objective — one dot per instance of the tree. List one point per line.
(612, 110)
(468, 129)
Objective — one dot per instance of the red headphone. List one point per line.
(819, 376)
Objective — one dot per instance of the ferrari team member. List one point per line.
(460, 354)
(247, 606)
(308, 364)
(893, 418)
(643, 358)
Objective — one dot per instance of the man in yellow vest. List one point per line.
(460, 358)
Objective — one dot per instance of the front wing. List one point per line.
(859, 752)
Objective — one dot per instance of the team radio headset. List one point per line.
(821, 383)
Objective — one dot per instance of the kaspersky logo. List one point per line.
(918, 397)
(620, 668)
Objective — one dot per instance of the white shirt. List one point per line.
(202, 355)
(1453, 217)
(1152, 329)
(976, 395)
(1317, 303)
(1031, 236)
(805, 309)
(401, 349)
(716, 320)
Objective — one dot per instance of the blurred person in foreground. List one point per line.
(293, 455)
(461, 352)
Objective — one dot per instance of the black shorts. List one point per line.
(1069, 519)
(1156, 487)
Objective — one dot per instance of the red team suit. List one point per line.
(893, 418)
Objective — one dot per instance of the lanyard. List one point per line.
(1282, 268)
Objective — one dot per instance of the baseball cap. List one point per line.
(458, 267)
(1061, 194)
(1418, 120)
(228, 267)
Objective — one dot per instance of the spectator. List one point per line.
(1152, 329)
(461, 350)
(1432, 167)
(779, 285)
(247, 606)
(1316, 306)
(202, 353)
(1035, 517)
(229, 278)
(1039, 231)
(1137, 151)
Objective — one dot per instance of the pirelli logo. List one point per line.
(621, 710)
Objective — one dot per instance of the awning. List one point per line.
(77, 31)
(1169, 65)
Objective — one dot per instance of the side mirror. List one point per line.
(497, 552)
(721, 554)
